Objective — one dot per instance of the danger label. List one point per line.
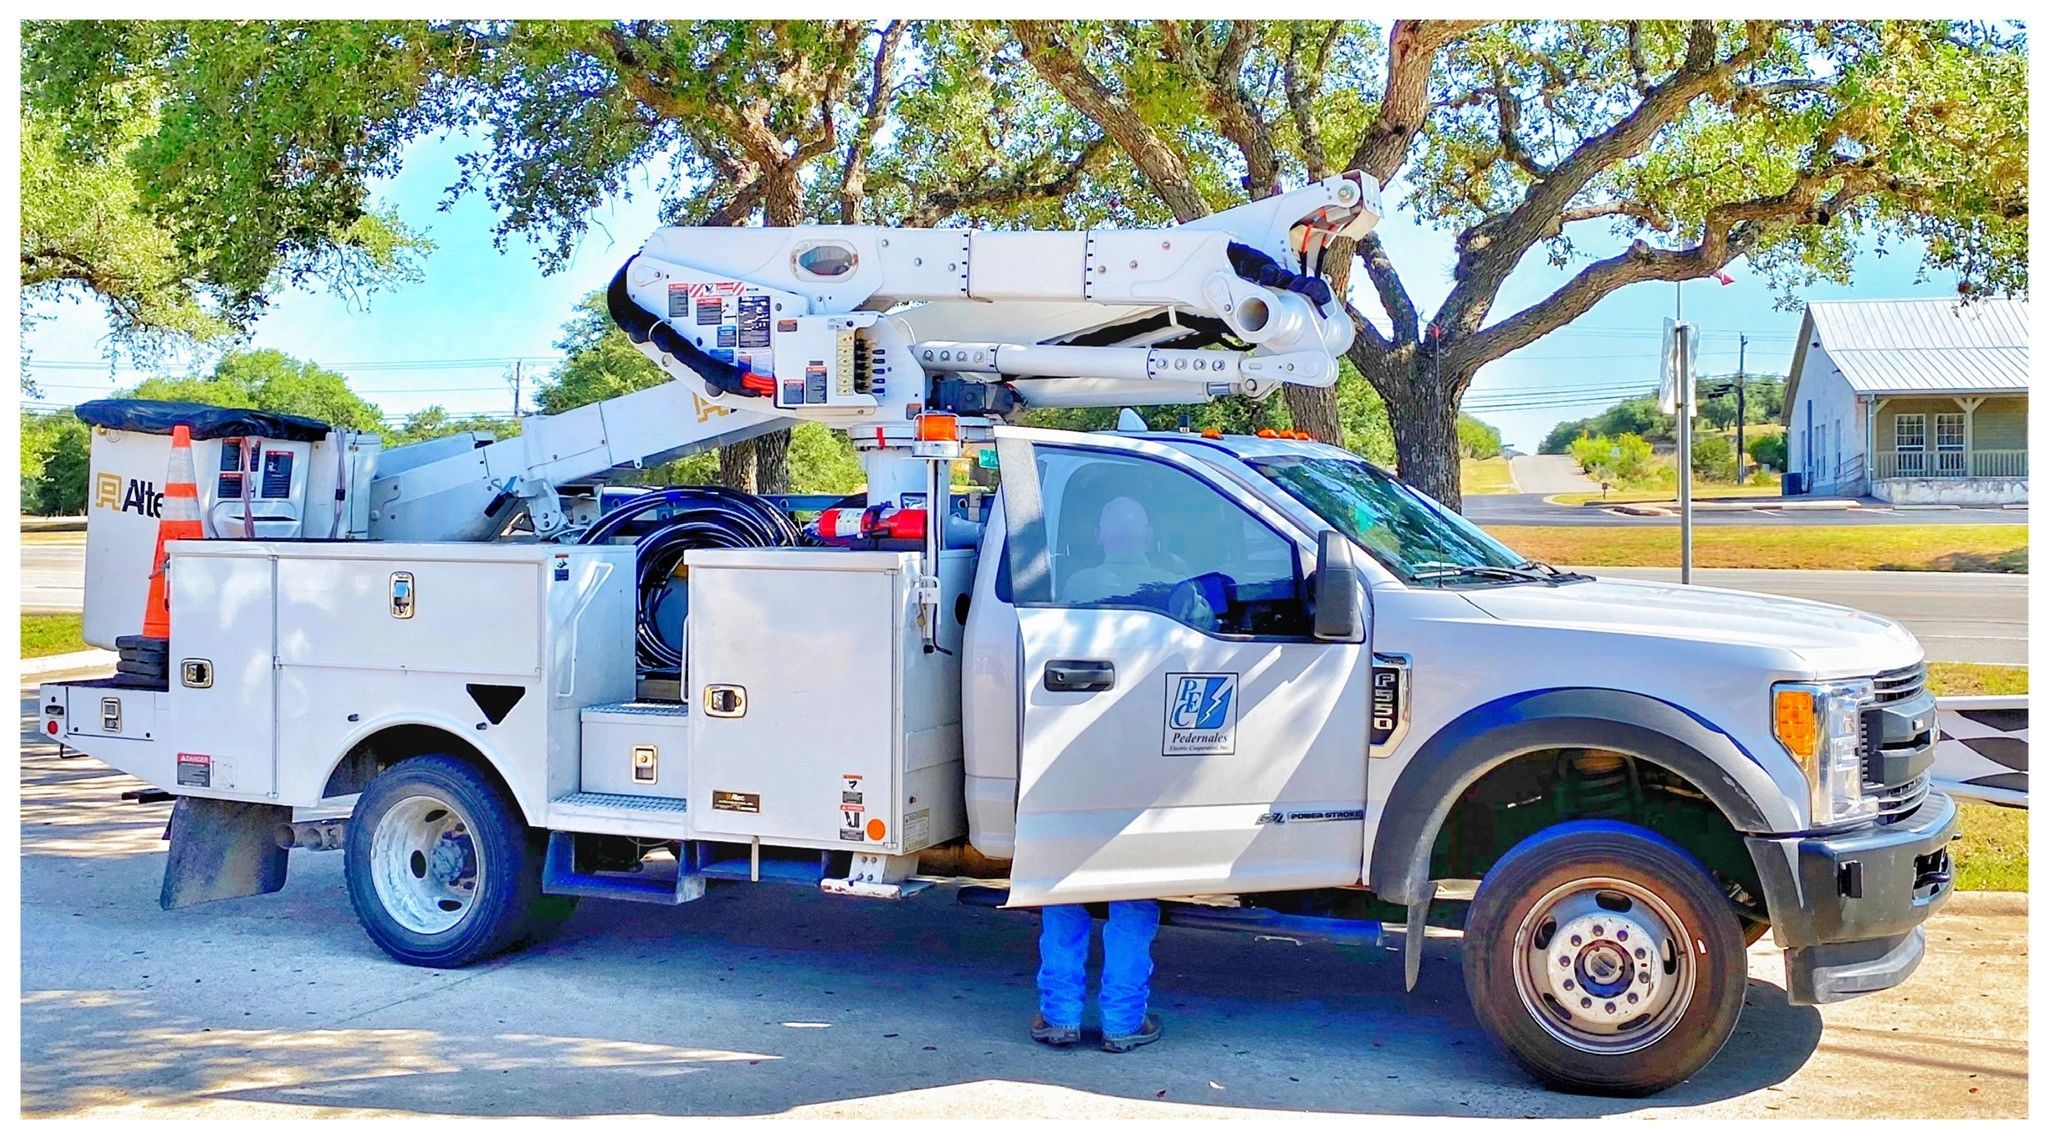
(195, 770)
(851, 807)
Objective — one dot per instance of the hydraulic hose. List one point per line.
(689, 517)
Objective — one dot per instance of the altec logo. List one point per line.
(1200, 714)
(111, 491)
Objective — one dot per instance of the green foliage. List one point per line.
(435, 422)
(1712, 458)
(1771, 450)
(1478, 439)
(1718, 400)
(252, 144)
(1619, 460)
(270, 380)
(55, 457)
(83, 229)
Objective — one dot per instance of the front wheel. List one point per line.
(1604, 959)
(441, 868)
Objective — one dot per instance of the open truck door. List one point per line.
(1183, 730)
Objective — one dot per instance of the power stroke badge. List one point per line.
(1200, 714)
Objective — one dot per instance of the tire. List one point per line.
(441, 868)
(1638, 1023)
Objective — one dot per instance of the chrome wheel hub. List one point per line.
(1604, 965)
(424, 864)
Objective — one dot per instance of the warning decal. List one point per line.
(851, 808)
(752, 320)
(195, 770)
(709, 310)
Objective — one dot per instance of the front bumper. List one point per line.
(1849, 909)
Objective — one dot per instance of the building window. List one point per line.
(1910, 444)
(1950, 432)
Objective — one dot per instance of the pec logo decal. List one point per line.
(1200, 714)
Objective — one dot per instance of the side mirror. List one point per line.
(1338, 592)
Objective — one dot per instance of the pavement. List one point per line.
(53, 575)
(779, 1001)
(1978, 617)
(1542, 474)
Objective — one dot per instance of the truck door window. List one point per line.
(1132, 532)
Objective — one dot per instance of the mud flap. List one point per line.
(223, 849)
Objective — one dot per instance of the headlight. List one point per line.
(1819, 725)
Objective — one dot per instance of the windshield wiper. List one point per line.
(1498, 572)
(1551, 571)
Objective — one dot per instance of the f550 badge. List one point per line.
(1200, 714)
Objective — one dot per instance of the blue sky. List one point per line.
(476, 302)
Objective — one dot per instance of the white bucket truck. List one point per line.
(1256, 678)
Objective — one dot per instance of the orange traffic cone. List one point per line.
(177, 520)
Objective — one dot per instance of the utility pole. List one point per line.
(518, 384)
(1740, 404)
(1684, 396)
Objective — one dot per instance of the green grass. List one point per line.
(1951, 678)
(1487, 475)
(1948, 548)
(1993, 852)
(48, 635)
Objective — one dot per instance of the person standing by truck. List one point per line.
(1126, 1022)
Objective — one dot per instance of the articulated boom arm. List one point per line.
(864, 327)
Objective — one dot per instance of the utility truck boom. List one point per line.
(1254, 677)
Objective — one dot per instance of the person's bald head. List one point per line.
(1124, 530)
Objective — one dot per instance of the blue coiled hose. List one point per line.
(687, 517)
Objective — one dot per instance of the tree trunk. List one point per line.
(1424, 429)
(770, 461)
(1313, 410)
(738, 466)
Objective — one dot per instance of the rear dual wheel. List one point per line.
(1604, 959)
(441, 868)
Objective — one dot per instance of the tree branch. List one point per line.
(1301, 90)
(1160, 162)
(1404, 106)
(951, 200)
(1490, 250)
(852, 183)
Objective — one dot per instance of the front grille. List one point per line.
(1899, 684)
(1894, 805)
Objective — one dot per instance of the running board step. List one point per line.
(559, 877)
(1251, 920)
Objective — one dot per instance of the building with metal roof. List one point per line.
(1913, 401)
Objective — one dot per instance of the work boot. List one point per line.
(1149, 1032)
(1051, 1036)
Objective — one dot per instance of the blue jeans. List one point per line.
(1125, 964)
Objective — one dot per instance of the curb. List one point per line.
(65, 664)
(53, 525)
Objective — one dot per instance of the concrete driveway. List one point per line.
(779, 1001)
(1549, 473)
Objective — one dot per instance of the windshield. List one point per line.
(1413, 535)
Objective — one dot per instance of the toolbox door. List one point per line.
(1181, 730)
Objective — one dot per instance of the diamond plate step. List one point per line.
(605, 801)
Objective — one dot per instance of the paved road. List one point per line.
(1535, 509)
(1548, 473)
(781, 1001)
(53, 575)
(1982, 617)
